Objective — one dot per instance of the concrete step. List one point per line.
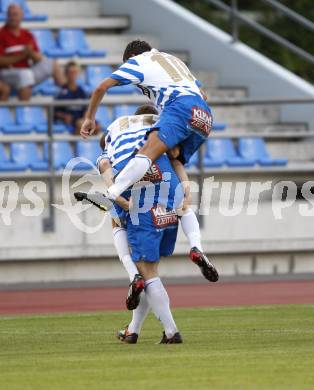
(208, 79)
(66, 8)
(226, 93)
(259, 114)
(116, 23)
(262, 129)
(116, 43)
(299, 151)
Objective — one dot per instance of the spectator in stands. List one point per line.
(72, 116)
(21, 63)
(4, 91)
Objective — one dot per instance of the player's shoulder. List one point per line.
(118, 123)
(137, 60)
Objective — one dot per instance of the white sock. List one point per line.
(191, 229)
(139, 315)
(158, 300)
(130, 174)
(122, 246)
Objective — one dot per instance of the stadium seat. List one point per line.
(219, 126)
(28, 154)
(8, 125)
(103, 117)
(221, 151)
(74, 39)
(193, 161)
(28, 16)
(7, 165)
(46, 88)
(124, 109)
(35, 117)
(89, 150)
(62, 153)
(96, 73)
(256, 148)
(48, 45)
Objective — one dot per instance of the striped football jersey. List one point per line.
(161, 76)
(126, 135)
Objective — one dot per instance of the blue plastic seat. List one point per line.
(221, 151)
(28, 154)
(96, 73)
(62, 153)
(103, 117)
(46, 88)
(124, 109)
(193, 161)
(74, 39)
(48, 44)
(219, 126)
(8, 125)
(7, 165)
(89, 150)
(256, 148)
(35, 116)
(28, 16)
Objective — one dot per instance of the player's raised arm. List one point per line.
(88, 126)
(184, 179)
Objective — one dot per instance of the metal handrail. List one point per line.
(236, 16)
(291, 14)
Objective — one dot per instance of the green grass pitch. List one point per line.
(265, 347)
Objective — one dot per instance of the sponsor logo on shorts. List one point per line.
(163, 218)
(154, 174)
(201, 120)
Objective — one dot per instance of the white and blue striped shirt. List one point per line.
(161, 76)
(126, 135)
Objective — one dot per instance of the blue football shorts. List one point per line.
(186, 121)
(154, 236)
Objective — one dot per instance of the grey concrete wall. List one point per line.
(211, 49)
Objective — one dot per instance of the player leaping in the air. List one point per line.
(185, 118)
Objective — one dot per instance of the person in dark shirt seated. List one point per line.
(71, 115)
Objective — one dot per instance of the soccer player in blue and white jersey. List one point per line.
(125, 136)
(185, 118)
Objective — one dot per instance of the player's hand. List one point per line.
(88, 128)
(122, 202)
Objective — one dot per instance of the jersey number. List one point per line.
(175, 68)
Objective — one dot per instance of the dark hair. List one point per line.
(102, 141)
(69, 65)
(146, 109)
(134, 48)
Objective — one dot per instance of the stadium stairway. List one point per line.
(241, 245)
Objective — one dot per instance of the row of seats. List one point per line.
(27, 155)
(28, 119)
(247, 153)
(28, 15)
(88, 81)
(69, 42)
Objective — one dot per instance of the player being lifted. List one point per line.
(185, 118)
(125, 135)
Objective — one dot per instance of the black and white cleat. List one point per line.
(97, 199)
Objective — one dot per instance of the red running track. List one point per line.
(113, 298)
